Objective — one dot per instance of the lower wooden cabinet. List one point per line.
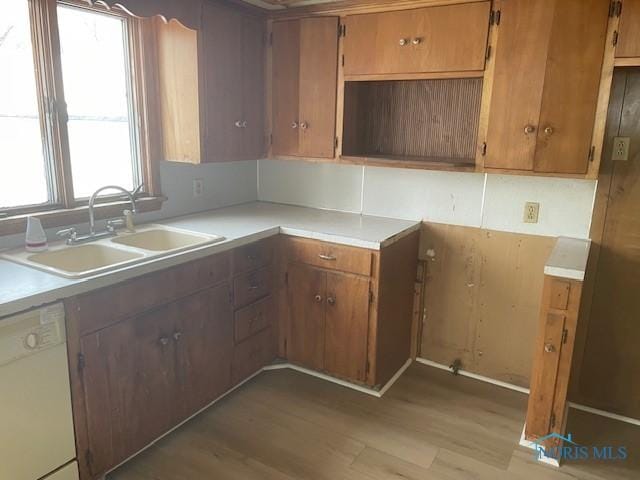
(553, 354)
(143, 375)
(349, 310)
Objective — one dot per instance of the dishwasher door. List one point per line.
(36, 425)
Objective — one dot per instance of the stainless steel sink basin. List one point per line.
(163, 239)
(82, 260)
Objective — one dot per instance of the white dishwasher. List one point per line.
(36, 423)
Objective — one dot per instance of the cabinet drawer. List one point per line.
(253, 319)
(251, 286)
(329, 255)
(253, 256)
(449, 38)
(108, 305)
(252, 354)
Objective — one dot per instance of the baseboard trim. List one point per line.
(577, 406)
(475, 376)
(343, 383)
(531, 445)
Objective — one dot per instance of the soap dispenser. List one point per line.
(36, 240)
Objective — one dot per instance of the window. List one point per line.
(89, 59)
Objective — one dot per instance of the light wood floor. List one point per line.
(284, 425)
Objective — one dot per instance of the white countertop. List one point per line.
(22, 287)
(568, 258)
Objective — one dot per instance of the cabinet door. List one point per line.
(572, 80)
(629, 30)
(306, 288)
(317, 87)
(203, 334)
(446, 38)
(129, 385)
(285, 87)
(346, 326)
(253, 87)
(521, 52)
(221, 60)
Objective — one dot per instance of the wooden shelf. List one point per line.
(424, 163)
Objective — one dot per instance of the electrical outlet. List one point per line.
(531, 210)
(621, 148)
(198, 187)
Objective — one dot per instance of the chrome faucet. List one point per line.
(71, 233)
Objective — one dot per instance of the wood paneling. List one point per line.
(253, 256)
(328, 255)
(253, 318)
(285, 84)
(571, 83)
(611, 355)
(251, 286)
(318, 84)
(518, 80)
(253, 87)
(415, 119)
(448, 38)
(306, 293)
(629, 30)
(252, 354)
(346, 326)
(482, 294)
(179, 87)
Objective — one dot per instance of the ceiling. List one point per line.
(281, 4)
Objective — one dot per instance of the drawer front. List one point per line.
(253, 256)
(253, 319)
(96, 310)
(449, 38)
(251, 286)
(252, 354)
(329, 255)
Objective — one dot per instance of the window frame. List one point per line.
(64, 208)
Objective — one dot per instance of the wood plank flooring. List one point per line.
(284, 425)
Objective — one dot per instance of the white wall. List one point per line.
(472, 199)
(224, 184)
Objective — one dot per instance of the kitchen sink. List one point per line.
(148, 242)
(164, 239)
(81, 260)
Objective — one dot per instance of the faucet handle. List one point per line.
(112, 225)
(70, 234)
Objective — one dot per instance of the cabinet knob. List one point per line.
(331, 301)
(238, 124)
(318, 298)
(549, 348)
(244, 124)
(294, 125)
(529, 129)
(548, 131)
(403, 42)
(417, 41)
(304, 125)
(177, 335)
(164, 341)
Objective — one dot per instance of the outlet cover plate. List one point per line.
(531, 211)
(620, 148)
(198, 187)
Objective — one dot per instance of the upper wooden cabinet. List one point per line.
(629, 29)
(304, 83)
(548, 61)
(212, 87)
(450, 38)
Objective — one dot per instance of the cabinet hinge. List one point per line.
(81, 362)
(565, 333)
(286, 278)
(285, 348)
(88, 457)
(494, 17)
(336, 144)
(342, 30)
(367, 368)
(230, 295)
(271, 139)
(552, 420)
(343, 60)
(370, 296)
(615, 38)
(271, 39)
(615, 9)
(488, 54)
(592, 153)
(484, 148)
